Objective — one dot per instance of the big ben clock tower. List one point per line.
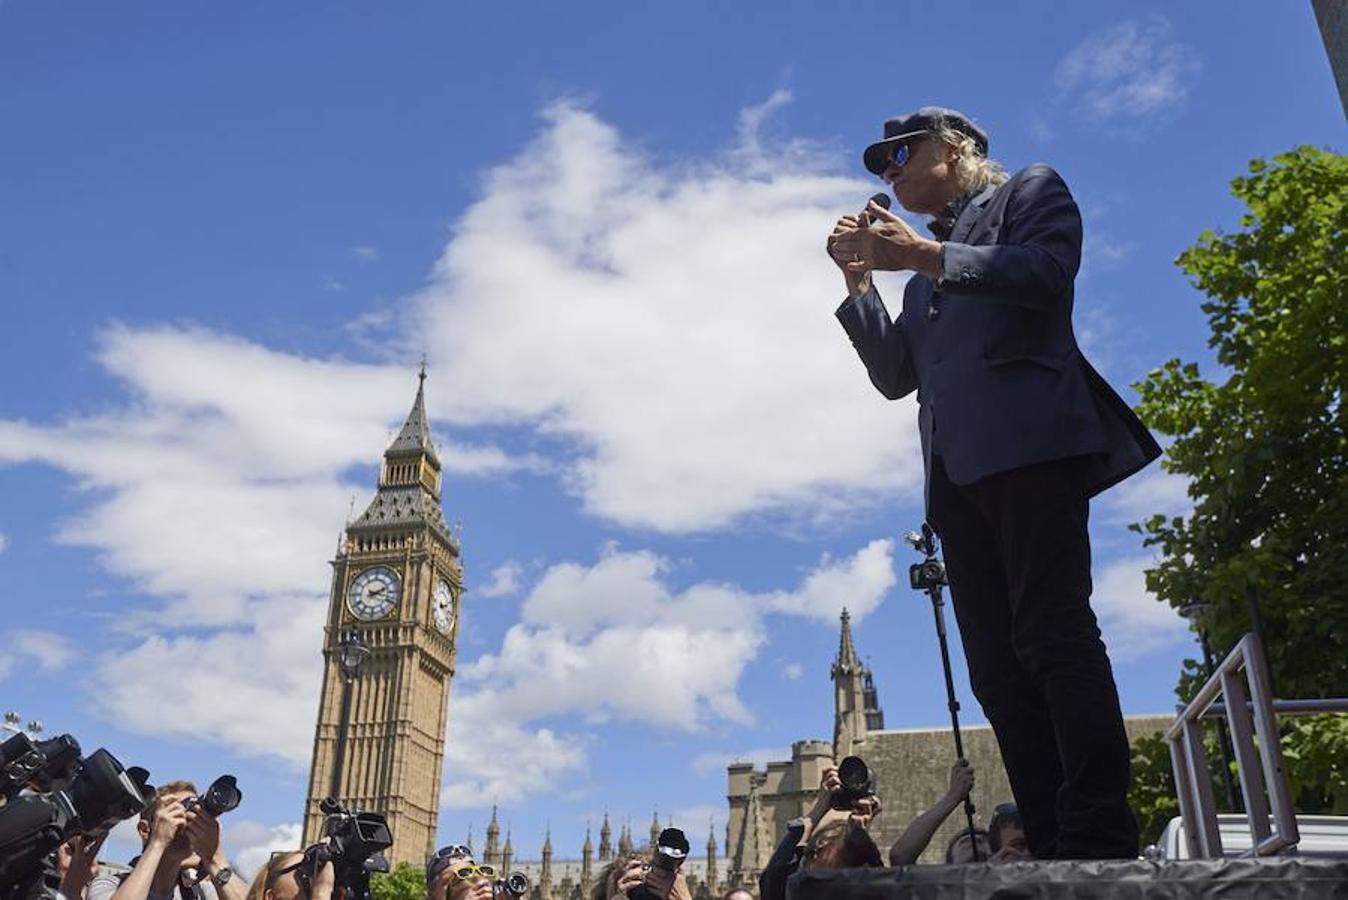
(396, 584)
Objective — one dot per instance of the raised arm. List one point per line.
(917, 835)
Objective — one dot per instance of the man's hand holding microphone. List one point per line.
(876, 239)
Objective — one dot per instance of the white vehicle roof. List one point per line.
(1325, 836)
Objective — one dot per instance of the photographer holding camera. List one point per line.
(181, 851)
(852, 801)
(629, 876)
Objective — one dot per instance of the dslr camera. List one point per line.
(222, 796)
(70, 796)
(671, 849)
(514, 885)
(857, 780)
(355, 844)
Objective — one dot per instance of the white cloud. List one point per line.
(4, 542)
(1133, 621)
(606, 642)
(1130, 71)
(365, 254)
(793, 671)
(24, 649)
(250, 844)
(675, 324)
(1151, 491)
(716, 761)
(172, 686)
(505, 580)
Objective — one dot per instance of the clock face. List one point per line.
(442, 607)
(374, 593)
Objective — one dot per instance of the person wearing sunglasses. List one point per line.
(451, 874)
(285, 877)
(1018, 432)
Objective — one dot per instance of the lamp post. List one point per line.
(1197, 614)
(351, 655)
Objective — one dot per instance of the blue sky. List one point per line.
(229, 233)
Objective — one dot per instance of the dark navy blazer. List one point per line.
(989, 347)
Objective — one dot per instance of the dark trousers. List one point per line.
(1018, 557)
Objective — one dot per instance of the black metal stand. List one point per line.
(929, 576)
(336, 788)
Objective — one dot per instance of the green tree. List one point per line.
(405, 882)
(1265, 450)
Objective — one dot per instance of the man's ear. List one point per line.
(143, 829)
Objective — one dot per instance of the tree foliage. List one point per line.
(405, 882)
(1265, 450)
(1264, 447)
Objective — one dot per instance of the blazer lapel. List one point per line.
(964, 225)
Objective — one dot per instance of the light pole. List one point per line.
(351, 655)
(1197, 614)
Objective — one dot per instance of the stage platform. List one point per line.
(1275, 878)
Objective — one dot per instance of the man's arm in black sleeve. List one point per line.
(785, 859)
(1039, 253)
(880, 342)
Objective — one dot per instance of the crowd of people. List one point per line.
(182, 857)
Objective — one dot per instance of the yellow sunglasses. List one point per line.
(463, 873)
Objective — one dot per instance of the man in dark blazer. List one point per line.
(1018, 433)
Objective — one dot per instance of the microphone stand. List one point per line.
(929, 576)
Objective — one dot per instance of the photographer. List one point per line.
(440, 881)
(918, 834)
(786, 859)
(625, 874)
(77, 861)
(181, 851)
(278, 879)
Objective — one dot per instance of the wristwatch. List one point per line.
(222, 876)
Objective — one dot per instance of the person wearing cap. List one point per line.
(1018, 433)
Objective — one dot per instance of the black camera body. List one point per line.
(858, 782)
(77, 797)
(355, 846)
(516, 884)
(671, 849)
(927, 574)
(222, 796)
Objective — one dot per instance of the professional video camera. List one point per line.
(222, 796)
(516, 884)
(72, 796)
(355, 846)
(671, 849)
(857, 780)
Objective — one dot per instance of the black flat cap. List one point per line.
(900, 128)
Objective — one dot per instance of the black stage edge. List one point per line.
(1277, 878)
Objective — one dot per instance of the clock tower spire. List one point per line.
(396, 586)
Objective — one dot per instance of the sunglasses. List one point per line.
(451, 851)
(1005, 809)
(463, 873)
(274, 874)
(902, 152)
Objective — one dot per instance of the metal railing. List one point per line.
(1250, 710)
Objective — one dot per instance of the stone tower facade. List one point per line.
(855, 701)
(396, 585)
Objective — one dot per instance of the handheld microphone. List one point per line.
(881, 200)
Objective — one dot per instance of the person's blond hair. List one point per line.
(173, 787)
(973, 170)
(265, 875)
